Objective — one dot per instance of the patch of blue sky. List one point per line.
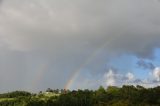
(128, 63)
(125, 63)
(156, 60)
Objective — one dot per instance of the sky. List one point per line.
(78, 44)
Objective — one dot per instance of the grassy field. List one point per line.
(7, 99)
(50, 94)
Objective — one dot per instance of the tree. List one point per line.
(49, 90)
(101, 90)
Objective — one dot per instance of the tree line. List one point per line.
(127, 95)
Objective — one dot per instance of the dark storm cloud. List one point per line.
(1, 2)
(62, 34)
(81, 25)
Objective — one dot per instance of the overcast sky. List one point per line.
(107, 42)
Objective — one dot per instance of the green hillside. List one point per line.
(112, 96)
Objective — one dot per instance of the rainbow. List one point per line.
(73, 77)
(39, 75)
(87, 61)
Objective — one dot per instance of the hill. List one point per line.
(112, 96)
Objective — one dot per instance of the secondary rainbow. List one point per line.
(87, 61)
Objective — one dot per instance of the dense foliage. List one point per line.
(112, 96)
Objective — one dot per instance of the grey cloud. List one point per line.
(137, 81)
(63, 34)
(126, 29)
(1, 3)
(146, 65)
(155, 81)
(148, 83)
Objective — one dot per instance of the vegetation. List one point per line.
(112, 96)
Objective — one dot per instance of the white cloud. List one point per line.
(156, 73)
(113, 78)
(129, 76)
(109, 78)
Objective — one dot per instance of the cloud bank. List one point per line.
(114, 78)
(61, 35)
